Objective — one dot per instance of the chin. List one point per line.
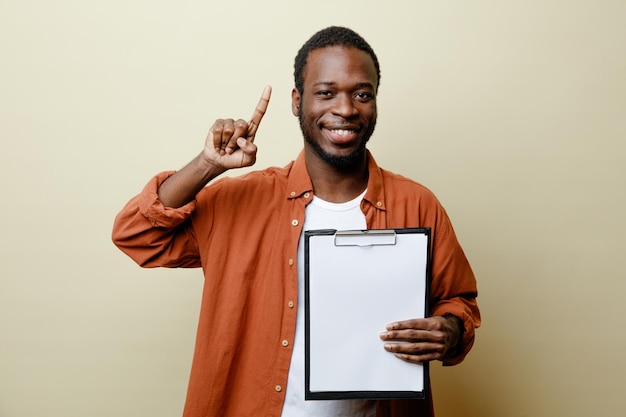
(341, 161)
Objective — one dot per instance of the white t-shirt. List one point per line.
(321, 214)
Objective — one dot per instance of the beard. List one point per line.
(339, 162)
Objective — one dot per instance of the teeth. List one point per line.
(342, 132)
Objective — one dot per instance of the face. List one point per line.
(337, 107)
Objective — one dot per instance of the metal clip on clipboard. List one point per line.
(365, 238)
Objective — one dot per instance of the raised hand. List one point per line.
(230, 143)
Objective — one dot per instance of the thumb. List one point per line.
(248, 149)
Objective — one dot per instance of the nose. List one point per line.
(344, 106)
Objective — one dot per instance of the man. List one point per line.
(246, 234)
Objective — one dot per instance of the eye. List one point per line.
(324, 93)
(364, 95)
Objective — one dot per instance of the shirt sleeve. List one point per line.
(154, 235)
(453, 289)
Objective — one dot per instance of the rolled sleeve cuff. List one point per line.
(156, 213)
(469, 325)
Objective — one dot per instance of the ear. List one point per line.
(295, 102)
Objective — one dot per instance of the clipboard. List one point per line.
(356, 282)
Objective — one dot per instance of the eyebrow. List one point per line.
(331, 83)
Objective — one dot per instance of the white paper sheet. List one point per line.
(353, 293)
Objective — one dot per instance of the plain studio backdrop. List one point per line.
(512, 112)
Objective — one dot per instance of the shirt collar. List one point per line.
(299, 182)
(375, 194)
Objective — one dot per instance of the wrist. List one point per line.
(458, 329)
(209, 168)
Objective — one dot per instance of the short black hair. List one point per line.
(331, 36)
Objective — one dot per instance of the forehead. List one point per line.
(340, 65)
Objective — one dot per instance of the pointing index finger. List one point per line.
(259, 112)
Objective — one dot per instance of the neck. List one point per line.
(336, 185)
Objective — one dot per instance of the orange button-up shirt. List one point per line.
(244, 233)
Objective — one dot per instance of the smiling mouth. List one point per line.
(341, 136)
(342, 132)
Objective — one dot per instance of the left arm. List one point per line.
(448, 333)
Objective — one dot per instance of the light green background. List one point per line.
(512, 112)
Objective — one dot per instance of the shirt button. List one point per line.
(306, 195)
(379, 204)
(294, 222)
(285, 343)
(293, 193)
(278, 388)
(290, 261)
(290, 304)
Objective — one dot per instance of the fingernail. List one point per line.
(241, 142)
